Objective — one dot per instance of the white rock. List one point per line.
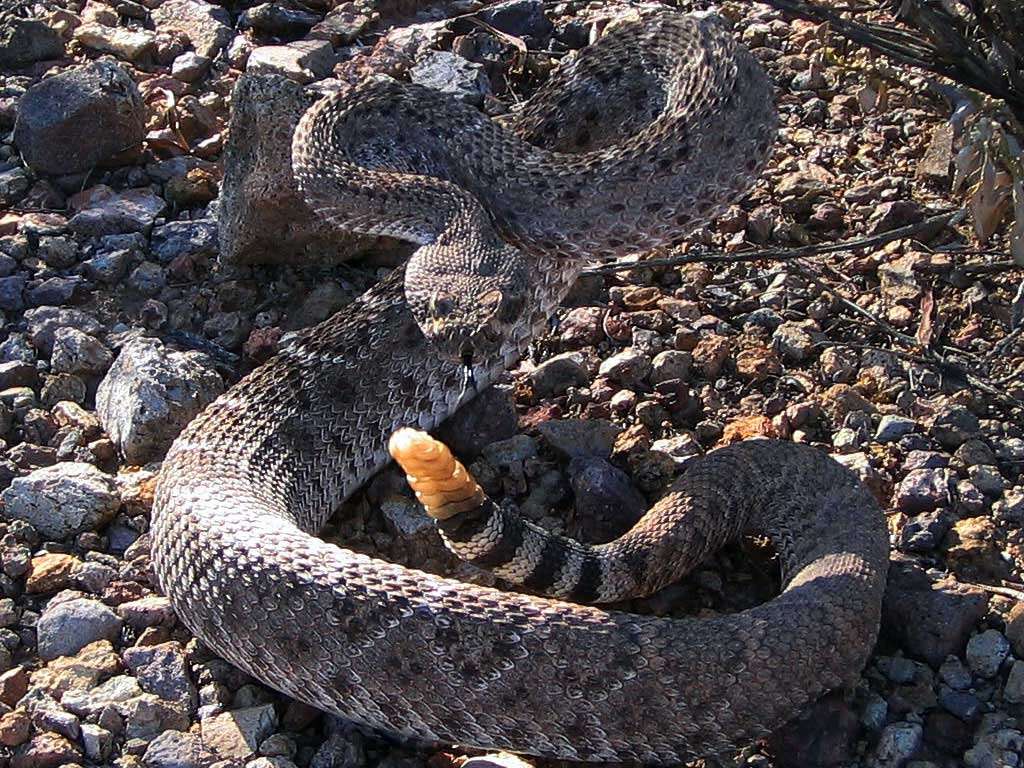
(236, 735)
(63, 500)
(302, 60)
(150, 394)
(125, 44)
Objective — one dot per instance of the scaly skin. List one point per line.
(248, 483)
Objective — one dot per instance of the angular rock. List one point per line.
(579, 438)
(77, 119)
(555, 375)
(207, 27)
(17, 373)
(125, 44)
(148, 611)
(344, 23)
(758, 363)
(236, 735)
(197, 237)
(954, 426)
(24, 41)
(189, 67)
(898, 213)
(892, 428)
(606, 502)
(302, 61)
(522, 18)
(627, 368)
(149, 394)
(175, 749)
(986, 652)
(961, 704)
(86, 669)
(924, 532)
(511, 452)
(66, 628)
(582, 326)
(489, 417)
(77, 352)
(1015, 629)
(406, 517)
(13, 685)
(97, 742)
(923, 490)
(43, 323)
(262, 218)
(450, 73)
(14, 185)
(929, 618)
(63, 500)
(46, 750)
(147, 716)
(49, 572)
(934, 165)
(114, 692)
(897, 744)
(670, 364)
(109, 213)
(277, 20)
(1014, 690)
(15, 728)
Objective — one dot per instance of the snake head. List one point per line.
(470, 306)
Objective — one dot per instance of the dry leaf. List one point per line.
(1017, 308)
(867, 97)
(989, 200)
(519, 60)
(926, 328)
(1017, 231)
(966, 164)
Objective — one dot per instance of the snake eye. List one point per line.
(441, 305)
(491, 300)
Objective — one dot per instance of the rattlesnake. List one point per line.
(646, 133)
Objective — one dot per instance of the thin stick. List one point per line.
(947, 218)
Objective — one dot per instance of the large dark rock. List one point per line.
(488, 418)
(929, 617)
(607, 504)
(24, 39)
(522, 18)
(263, 218)
(823, 735)
(78, 119)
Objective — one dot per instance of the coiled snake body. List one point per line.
(646, 133)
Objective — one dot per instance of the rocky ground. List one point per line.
(131, 295)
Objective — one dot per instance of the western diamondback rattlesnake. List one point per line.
(646, 133)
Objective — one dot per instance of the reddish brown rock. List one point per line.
(15, 727)
(758, 364)
(50, 572)
(13, 685)
(747, 427)
(46, 750)
(710, 355)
